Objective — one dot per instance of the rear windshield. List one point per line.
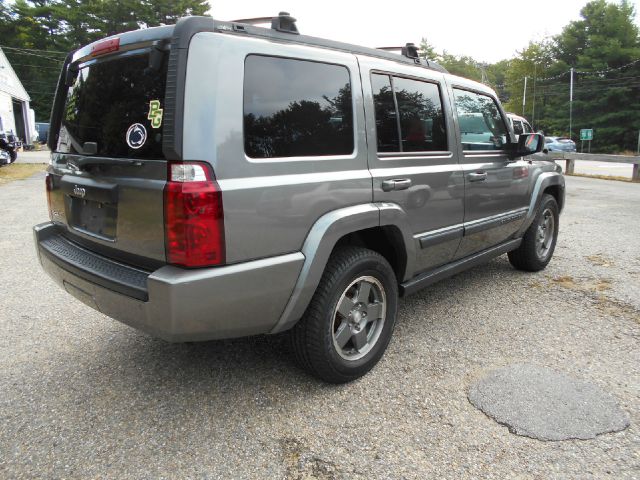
(114, 109)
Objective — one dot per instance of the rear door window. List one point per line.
(116, 104)
(409, 116)
(296, 108)
(387, 131)
(482, 127)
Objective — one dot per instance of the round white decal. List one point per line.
(136, 136)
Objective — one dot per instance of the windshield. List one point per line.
(114, 109)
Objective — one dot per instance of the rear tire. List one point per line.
(349, 321)
(539, 241)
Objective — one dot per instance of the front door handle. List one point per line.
(477, 176)
(396, 184)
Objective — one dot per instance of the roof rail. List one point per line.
(284, 22)
(409, 50)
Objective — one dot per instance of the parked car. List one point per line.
(9, 144)
(5, 158)
(232, 180)
(519, 124)
(558, 144)
(43, 131)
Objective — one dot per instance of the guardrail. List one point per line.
(571, 157)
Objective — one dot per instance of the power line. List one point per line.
(32, 50)
(53, 59)
(591, 81)
(36, 66)
(608, 69)
(594, 72)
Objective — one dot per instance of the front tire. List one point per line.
(539, 241)
(349, 321)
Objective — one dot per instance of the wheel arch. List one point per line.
(380, 227)
(547, 182)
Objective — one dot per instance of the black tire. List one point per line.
(528, 256)
(312, 338)
(13, 156)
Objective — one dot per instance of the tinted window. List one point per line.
(481, 124)
(526, 127)
(418, 107)
(517, 127)
(108, 100)
(296, 108)
(421, 120)
(385, 112)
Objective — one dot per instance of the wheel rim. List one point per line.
(545, 234)
(358, 318)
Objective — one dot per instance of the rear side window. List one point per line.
(408, 114)
(296, 108)
(117, 105)
(481, 124)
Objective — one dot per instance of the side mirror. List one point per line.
(528, 144)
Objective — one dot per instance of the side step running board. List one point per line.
(432, 276)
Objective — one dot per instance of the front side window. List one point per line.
(526, 127)
(409, 115)
(296, 108)
(481, 124)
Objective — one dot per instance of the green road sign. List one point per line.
(586, 134)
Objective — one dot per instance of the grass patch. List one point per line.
(595, 285)
(600, 260)
(19, 171)
(602, 177)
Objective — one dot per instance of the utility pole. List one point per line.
(571, 106)
(524, 95)
(533, 112)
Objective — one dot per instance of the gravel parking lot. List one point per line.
(82, 396)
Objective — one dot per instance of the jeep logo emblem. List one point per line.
(79, 191)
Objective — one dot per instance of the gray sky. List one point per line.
(488, 30)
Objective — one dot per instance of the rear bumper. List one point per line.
(173, 303)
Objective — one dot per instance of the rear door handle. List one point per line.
(477, 176)
(396, 184)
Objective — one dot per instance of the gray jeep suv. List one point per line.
(219, 179)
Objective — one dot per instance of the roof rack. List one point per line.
(284, 22)
(409, 50)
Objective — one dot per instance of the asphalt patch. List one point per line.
(541, 403)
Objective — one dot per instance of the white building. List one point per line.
(15, 114)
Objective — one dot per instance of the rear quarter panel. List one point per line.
(269, 204)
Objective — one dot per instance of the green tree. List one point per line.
(534, 63)
(39, 32)
(602, 47)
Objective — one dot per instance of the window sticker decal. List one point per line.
(155, 113)
(136, 136)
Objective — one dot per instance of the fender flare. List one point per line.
(544, 180)
(321, 240)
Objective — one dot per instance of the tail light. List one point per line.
(193, 215)
(48, 181)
